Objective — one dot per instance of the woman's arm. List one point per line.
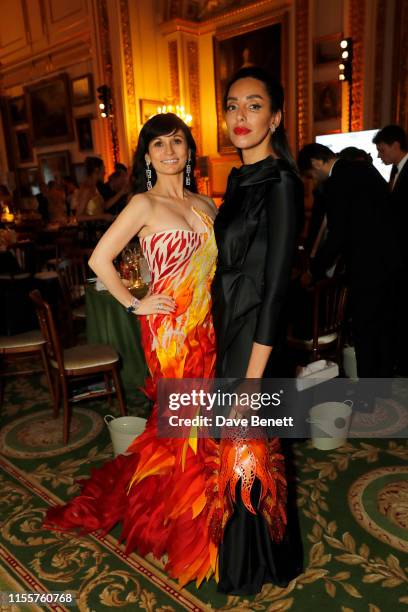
(127, 225)
(283, 219)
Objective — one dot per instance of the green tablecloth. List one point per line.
(108, 322)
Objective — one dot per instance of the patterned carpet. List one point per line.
(353, 505)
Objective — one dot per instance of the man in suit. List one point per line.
(360, 229)
(392, 147)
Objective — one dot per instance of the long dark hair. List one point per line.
(163, 124)
(276, 95)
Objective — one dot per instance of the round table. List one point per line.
(108, 322)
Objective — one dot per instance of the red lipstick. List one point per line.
(241, 131)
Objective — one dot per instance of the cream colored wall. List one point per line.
(40, 40)
(150, 60)
(207, 96)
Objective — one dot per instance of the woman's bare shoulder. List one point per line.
(206, 204)
(139, 202)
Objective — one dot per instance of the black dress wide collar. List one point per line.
(267, 169)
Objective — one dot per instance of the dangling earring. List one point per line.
(188, 170)
(272, 128)
(148, 176)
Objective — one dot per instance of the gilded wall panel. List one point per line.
(379, 61)
(194, 85)
(174, 70)
(14, 35)
(356, 31)
(129, 72)
(400, 65)
(303, 67)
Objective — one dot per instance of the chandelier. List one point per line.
(177, 110)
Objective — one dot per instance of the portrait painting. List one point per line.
(54, 165)
(23, 146)
(49, 111)
(18, 110)
(326, 100)
(148, 108)
(82, 90)
(261, 47)
(84, 133)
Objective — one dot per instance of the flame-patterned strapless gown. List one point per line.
(171, 495)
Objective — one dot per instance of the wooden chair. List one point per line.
(23, 255)
(328, 306)
(67, 246)
(72, 279)
(75, 363)
(20, 346)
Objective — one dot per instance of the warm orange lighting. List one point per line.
(177, 110)
(6, 215)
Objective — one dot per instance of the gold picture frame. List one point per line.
(243, 46)
(82, 90)
(148, 108)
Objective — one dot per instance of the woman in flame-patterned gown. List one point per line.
(174, 497)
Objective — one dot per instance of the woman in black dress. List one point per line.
(256, 231)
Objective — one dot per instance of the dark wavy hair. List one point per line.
(163, 124)
(276, 95)
(92, 164)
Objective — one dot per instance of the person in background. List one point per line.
(72, 192)
(91, 205)
(119, 167)
(42, 200)
(360, 228)
(392, 147)
(57, 209)
(355, 154)
(115, 192)
(27, 201)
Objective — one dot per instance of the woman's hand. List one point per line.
(156, 303)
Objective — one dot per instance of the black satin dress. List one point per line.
(256, 231)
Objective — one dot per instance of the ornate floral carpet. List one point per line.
(353, 505)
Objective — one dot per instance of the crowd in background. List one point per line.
(63, 197)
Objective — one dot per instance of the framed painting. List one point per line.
(262, 46)
(24, 147)
(148, 108)
(18, 110)
(54, 166)
(327, 49)
(49, 111)
(84, 133)
(82, 90)
(326, 100)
